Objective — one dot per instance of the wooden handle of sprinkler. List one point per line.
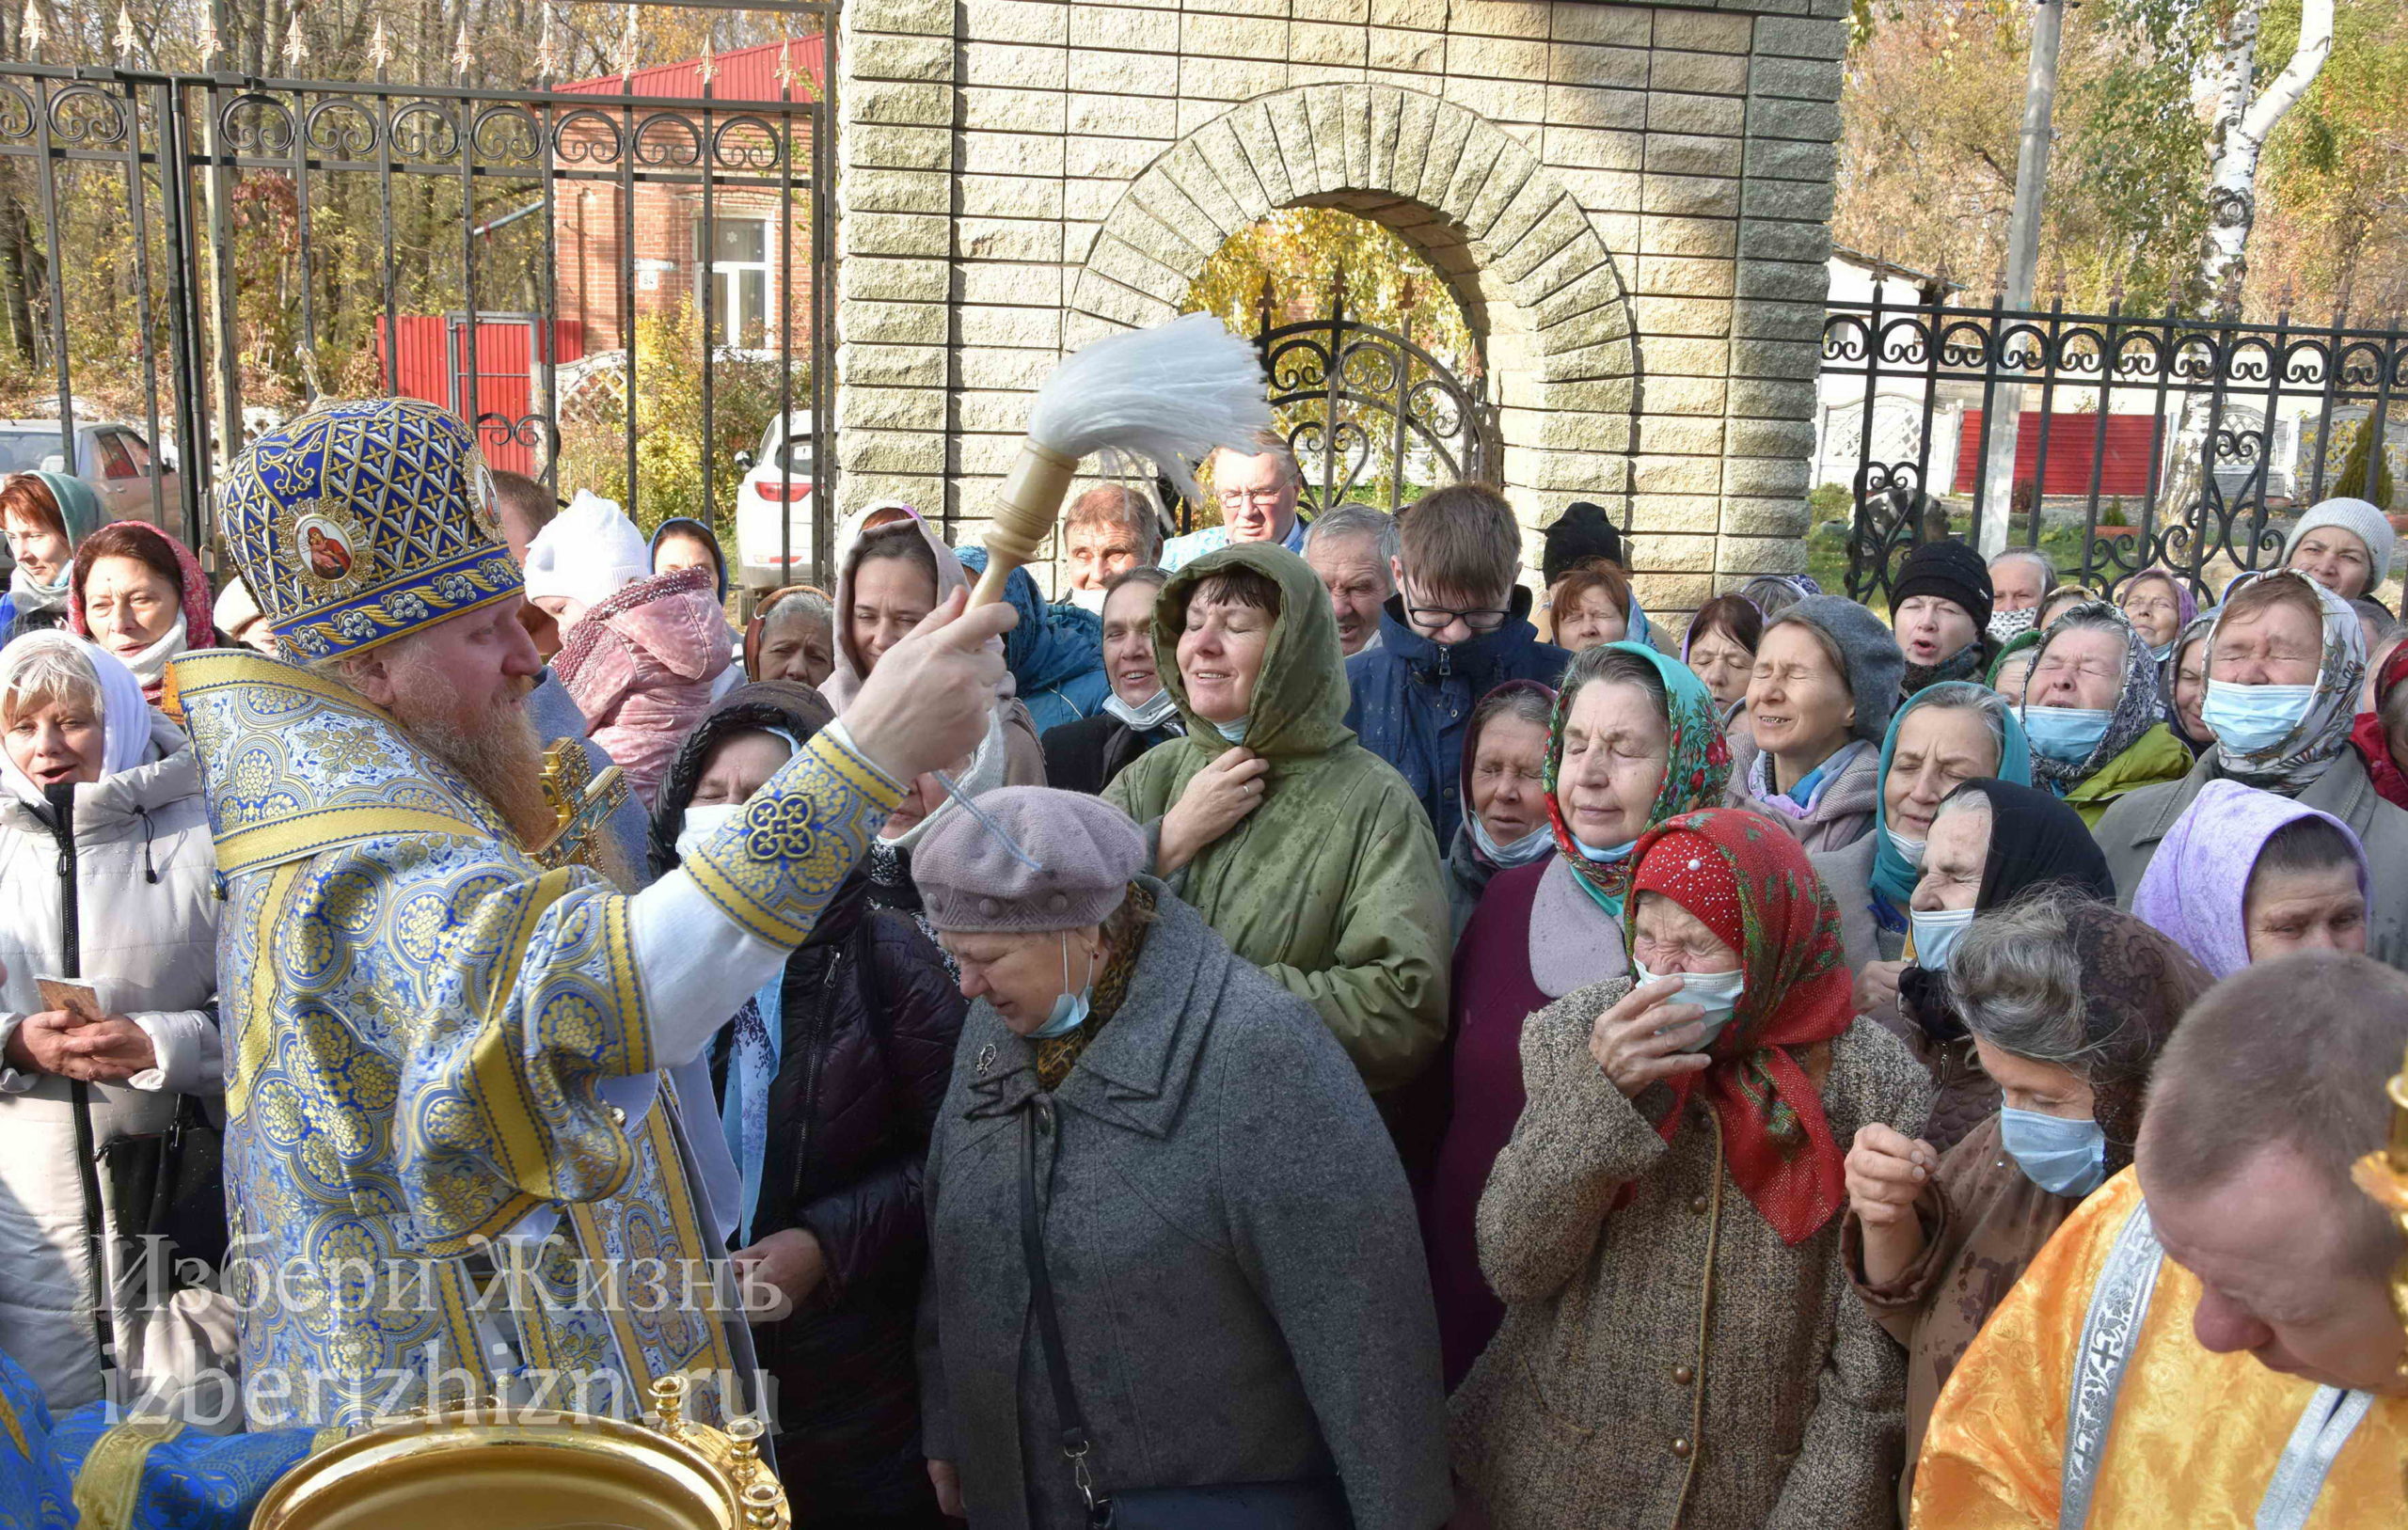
(1026, 508)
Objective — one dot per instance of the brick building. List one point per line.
(667, 260)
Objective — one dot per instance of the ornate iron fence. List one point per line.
(455, 203)
(2143, 440)
(1370, 414)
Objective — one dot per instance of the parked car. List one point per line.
(776, 492)
(110, 456)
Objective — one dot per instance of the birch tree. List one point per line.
(2237, 134)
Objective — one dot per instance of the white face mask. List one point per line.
(1521, 852)
(700, 822)
(1717, 993)
(1156, 711)
(1911, 851)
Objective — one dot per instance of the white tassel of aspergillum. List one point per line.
(1165, 396)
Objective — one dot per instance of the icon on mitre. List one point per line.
(325, 548)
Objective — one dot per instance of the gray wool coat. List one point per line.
(1232, 1248)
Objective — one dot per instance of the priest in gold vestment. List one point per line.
(454, 1155)
(2210, 1341)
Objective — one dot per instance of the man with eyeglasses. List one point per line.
(1258, 496)
(1457, 627)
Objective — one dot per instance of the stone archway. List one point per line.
(1535, 278)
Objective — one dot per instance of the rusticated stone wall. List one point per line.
(1631, 201)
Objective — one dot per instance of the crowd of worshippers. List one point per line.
(1723, 1013)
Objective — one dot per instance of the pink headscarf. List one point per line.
(643, 666)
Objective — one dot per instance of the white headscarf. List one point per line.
(589, 552)
(125, 716)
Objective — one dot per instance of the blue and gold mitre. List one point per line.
(359, 522)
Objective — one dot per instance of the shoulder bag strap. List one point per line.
(1075, 1444)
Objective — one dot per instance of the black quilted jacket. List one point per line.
(870, 1019)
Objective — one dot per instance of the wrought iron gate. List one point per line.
(1369, 413)
(207, 170)
(2158, 441)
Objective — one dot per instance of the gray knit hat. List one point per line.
(1085, 850)
(2359, 517)
(1869, 654)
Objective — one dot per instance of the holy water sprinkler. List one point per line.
(1165, 396)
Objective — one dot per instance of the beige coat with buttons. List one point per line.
(1671, 1361)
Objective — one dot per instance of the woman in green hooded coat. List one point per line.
(1308, 853)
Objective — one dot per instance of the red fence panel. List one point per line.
(2074, 442)
(431, 355)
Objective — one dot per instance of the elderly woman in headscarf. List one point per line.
(2159, 605)
(141, 595)
(1668, 1209)
(1307, 853)
(2244, 876)
(2286, 660)
(1941, 736)
(2182, 675)
(2380, 733)
(2011, 672)
(1826, 682)
(45, 515)
(1632, 740)
(1166, 1223)
(2069, 1002)
(792, 637)
(2092, 712)
(1990, 842)
(1504, 780)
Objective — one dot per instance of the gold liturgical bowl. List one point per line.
(527, 1469)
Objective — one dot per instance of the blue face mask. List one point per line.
(2066, 734)
(1071, 1009)
(1936, 935)
(2061, 1156)
(1717, 993)
(1606, 853)
(2253, 720)
(1233, 732)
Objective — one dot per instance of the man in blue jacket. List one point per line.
(1457, 627)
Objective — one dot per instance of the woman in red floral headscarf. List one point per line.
(1664, 1227)
(2381, 737)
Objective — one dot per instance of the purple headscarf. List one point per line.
(2198, 881)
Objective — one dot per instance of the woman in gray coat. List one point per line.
(1223, 1226)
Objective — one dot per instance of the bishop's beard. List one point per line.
(495, 750)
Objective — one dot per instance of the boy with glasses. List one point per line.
(1457, 627)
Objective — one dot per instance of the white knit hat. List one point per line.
(589, 552)
(2359, 517)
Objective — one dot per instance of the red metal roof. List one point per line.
(743, 74)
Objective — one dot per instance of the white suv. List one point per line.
(776, 494)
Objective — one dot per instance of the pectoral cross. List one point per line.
(582, 803)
